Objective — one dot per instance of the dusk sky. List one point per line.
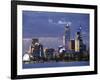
(51, 24)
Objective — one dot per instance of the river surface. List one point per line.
(55, 64)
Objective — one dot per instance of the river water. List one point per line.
(55, 64)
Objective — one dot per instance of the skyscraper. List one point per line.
(72, 45)
(78, 41)
(66, 37)
(37, 48)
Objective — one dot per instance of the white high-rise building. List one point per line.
(66, 37)
(78, 41)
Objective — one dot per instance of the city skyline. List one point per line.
(54, 37)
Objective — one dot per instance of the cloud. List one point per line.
(64, 22)
(61, 22)
(51, 21)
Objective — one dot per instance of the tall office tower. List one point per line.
(37, 48)
(78, 41)
(66, 37)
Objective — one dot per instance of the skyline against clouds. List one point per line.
(51, 24)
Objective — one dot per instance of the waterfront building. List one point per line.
(72, 45)
(78, 41)
(49, 53)
(37, 48)
(45, 52)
